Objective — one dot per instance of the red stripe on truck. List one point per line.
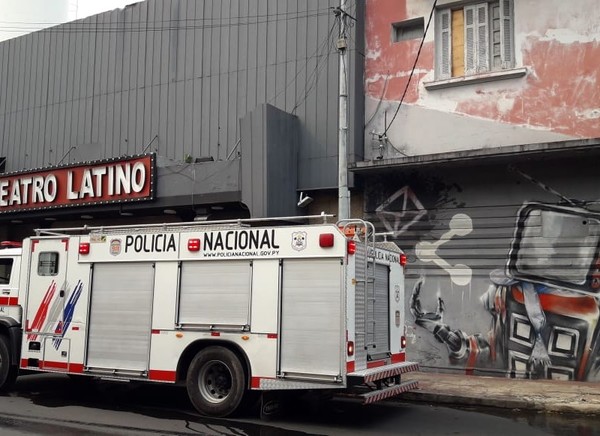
(400, 357)
(164, 376)
(9, 301)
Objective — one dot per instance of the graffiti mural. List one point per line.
(398, 219)
(521, 299)
(544, 309)
(460, 225)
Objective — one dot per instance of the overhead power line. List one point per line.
(159, 26)
(412, 71)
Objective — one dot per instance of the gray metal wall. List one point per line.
(178, 75)
(269, 166)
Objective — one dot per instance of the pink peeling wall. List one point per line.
(558, 98)
(388, 64)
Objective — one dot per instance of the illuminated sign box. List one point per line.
(120, 180)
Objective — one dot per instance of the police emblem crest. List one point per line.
(299, 241)
(115, 247)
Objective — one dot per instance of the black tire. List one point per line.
(8, 372)
(216, 382)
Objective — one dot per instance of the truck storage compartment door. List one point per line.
(120, 316)
(379, 313)
(312, 331)
(215, 293)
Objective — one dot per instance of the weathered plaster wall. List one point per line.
(558, 98)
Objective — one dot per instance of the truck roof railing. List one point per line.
(240, 222)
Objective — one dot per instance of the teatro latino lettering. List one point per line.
(91, 184)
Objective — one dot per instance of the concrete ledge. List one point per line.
(550, 396)
(546, 150)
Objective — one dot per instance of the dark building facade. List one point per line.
(237, 99)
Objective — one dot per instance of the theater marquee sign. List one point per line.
(109, 181)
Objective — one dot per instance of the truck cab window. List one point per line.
(48, 263)
(5, 269)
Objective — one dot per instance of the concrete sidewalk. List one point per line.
(534, 395)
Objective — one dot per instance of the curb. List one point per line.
(441, 398)
(524, 403)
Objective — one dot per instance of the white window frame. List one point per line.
(478, 43)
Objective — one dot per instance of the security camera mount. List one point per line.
(304, 200)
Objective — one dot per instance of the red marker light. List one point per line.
(194, 244)
(350, 348)
(84, 248)
(403, 342)
(326, 240)
(403, 259)
(351, 247)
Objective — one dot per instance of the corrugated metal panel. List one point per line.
(471, 235)
(184, 70)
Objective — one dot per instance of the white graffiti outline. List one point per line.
(398, 216)
(460, 225)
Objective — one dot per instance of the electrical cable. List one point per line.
(313, 77)
(95, 27)
(49, 23)
(413, 68)
(385, 84)
(316, 54)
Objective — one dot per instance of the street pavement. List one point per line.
(552, 396)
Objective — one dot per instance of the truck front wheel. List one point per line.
(216, 382)
(8, 372)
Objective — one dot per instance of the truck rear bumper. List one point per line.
(375, 384)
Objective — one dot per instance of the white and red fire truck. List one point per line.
(228, 308)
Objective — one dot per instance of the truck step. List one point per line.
(382, 394)
(373, 374)
(373, 396)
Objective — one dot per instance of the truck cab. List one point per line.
(10, 311)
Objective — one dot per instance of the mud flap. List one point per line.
(271, 405)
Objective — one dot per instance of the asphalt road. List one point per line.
(56, 405)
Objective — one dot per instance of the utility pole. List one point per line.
(342, 46)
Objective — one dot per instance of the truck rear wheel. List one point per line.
(8, 372)
(216, 382)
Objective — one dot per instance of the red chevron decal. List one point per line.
(42, 312)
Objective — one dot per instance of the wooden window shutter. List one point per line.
(470, 40)
(506, 32)
(445, 58)
(483, 43)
